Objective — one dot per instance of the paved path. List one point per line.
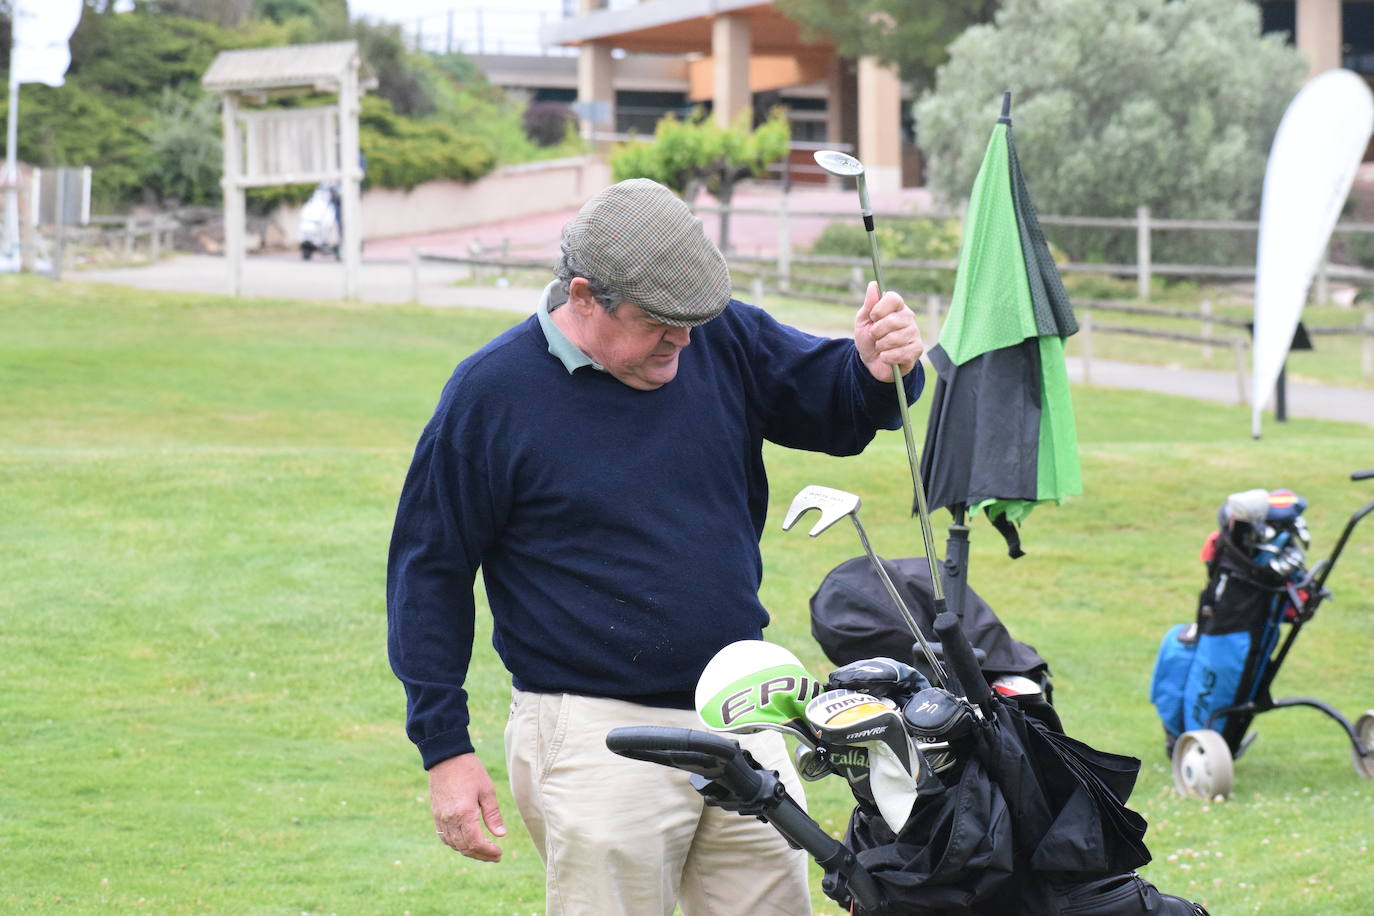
(1321, 402)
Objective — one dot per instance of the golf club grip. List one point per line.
(959, 654)
(1362, 475)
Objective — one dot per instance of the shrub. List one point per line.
(548, 123)
(185, 157)
(917, 239)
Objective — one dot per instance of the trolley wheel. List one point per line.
(1364, 730)
(1202, 765)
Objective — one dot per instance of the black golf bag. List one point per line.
(1030, 820)
(1254, 562)
(1011, 816)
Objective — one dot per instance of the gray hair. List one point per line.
(568, 267)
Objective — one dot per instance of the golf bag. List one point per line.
(1028, 820)
(852, 617)
(1254, 561)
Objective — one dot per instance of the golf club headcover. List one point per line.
(752, 686)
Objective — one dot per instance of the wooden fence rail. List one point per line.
(760, 271)
(1143, 223)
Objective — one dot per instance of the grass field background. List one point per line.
(196, 712)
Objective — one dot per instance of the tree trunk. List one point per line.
(723, 195)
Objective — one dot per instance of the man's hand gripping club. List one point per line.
(886, 333)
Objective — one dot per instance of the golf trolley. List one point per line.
(969, 799)
(1213, 676)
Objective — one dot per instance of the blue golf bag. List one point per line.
(1223, 658)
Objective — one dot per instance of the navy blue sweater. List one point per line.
(617, 529)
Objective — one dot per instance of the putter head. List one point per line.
(838, 163)
(833, 505)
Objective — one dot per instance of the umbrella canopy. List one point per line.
(1001, 435)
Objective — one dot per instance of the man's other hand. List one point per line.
(463, 800)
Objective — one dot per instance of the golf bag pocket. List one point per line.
(1170, 676)
(1237, 628)
(1121, 895)
(1215, 678)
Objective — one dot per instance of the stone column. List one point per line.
(880, 126)
(1318, 26)
(595, 81)
(730, 51)
(596, 89)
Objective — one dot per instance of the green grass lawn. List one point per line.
(196, 709)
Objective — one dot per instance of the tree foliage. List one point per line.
(402, 153)
(909, 34)
(1117, 103)
(688, 155)
(133, 108)
(184, 149)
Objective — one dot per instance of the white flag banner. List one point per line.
(1319, 144)
(42, 29)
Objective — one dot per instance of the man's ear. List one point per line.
(580, 296)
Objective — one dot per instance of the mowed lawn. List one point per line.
(196, 712)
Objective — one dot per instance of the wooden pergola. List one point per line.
(266, 146)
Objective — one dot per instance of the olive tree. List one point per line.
(1117, 103)
(696, 153)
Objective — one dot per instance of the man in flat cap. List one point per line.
(602, 463)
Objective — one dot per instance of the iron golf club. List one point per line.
(834, 505)
(846, 166)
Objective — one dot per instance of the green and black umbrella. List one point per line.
(1001, 436)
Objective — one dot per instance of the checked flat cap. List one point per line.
(642, 240)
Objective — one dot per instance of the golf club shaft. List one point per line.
(934, 660)
(912, 456)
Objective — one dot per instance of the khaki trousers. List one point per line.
(621, 836)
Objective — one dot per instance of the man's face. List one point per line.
(637, 349)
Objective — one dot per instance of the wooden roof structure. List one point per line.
(280, 145)
(295, 68)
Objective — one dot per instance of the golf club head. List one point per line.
(812, 763)
(838, 163)
(854, 720)
(751, 686)
(882, 677)
(832, 504)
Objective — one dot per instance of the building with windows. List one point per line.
(624, 64)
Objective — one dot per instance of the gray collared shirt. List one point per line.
(559, 344)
